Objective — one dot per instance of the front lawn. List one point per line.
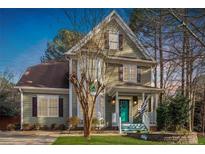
(201, 140)
(102, 140)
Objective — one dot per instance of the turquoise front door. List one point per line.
(124, 110)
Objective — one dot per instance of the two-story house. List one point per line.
(47, 96)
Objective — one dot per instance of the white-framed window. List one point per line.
(130, 73)
(113, 40)
(48, 105)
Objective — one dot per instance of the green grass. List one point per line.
(108, 140)
(102, 140)
(201, 140)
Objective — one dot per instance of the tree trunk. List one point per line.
(155, 56)
(161, 55)
(87, 126)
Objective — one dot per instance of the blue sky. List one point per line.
(24, 34)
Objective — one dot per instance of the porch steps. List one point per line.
(128, 128)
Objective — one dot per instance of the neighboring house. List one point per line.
(47, 96)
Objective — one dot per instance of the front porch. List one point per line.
(134, 107)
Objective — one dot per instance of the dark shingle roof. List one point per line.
(46, 75)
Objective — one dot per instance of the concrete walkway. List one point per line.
(22, 138)
(41, 137)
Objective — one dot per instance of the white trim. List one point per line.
(70, 87)
(48, 97)
(43, 90)
(21, 108)
(129, 60)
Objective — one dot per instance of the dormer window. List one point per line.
(113, 40)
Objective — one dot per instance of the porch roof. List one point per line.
(132, 88)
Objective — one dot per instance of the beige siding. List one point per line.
(27, 112)
(112, 73)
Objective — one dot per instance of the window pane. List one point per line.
(130, 73)
(53, 107)
(113, 40)
(126, 72)
(42, 106)
(133, 73)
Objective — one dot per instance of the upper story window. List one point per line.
(113, 40)
(132, 73)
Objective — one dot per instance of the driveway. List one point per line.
(25, 138)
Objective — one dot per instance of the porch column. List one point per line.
(156, 100)
(70, 89)
(152, 103)
(117, 106)
(142, 97)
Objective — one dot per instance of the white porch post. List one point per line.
(117, 106)
(156, 100)
(142, 97)
(70, 89)
(152, 103)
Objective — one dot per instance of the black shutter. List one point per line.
(120, 41)
(60, 107)
(106, 39)
(34, 106)
(121, 72)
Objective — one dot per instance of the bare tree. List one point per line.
(92, 75)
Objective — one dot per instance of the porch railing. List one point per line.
(149, 119)
(146, 120)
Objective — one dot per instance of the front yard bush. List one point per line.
(11, 127)
(27, 127)
(53, 126)
(173, 113)
(44, 127)
(73, 122)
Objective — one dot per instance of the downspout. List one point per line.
(21, 92)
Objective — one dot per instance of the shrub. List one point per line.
(162, 115)
(37, 126)
(53, 126)
(61, 127)
(173, 113)
(178, 112)
(44, 127)
(17, 126)
(95, 122)
(11, 127)
(28, 127)
(73, 122)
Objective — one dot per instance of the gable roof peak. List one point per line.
(124, 26)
